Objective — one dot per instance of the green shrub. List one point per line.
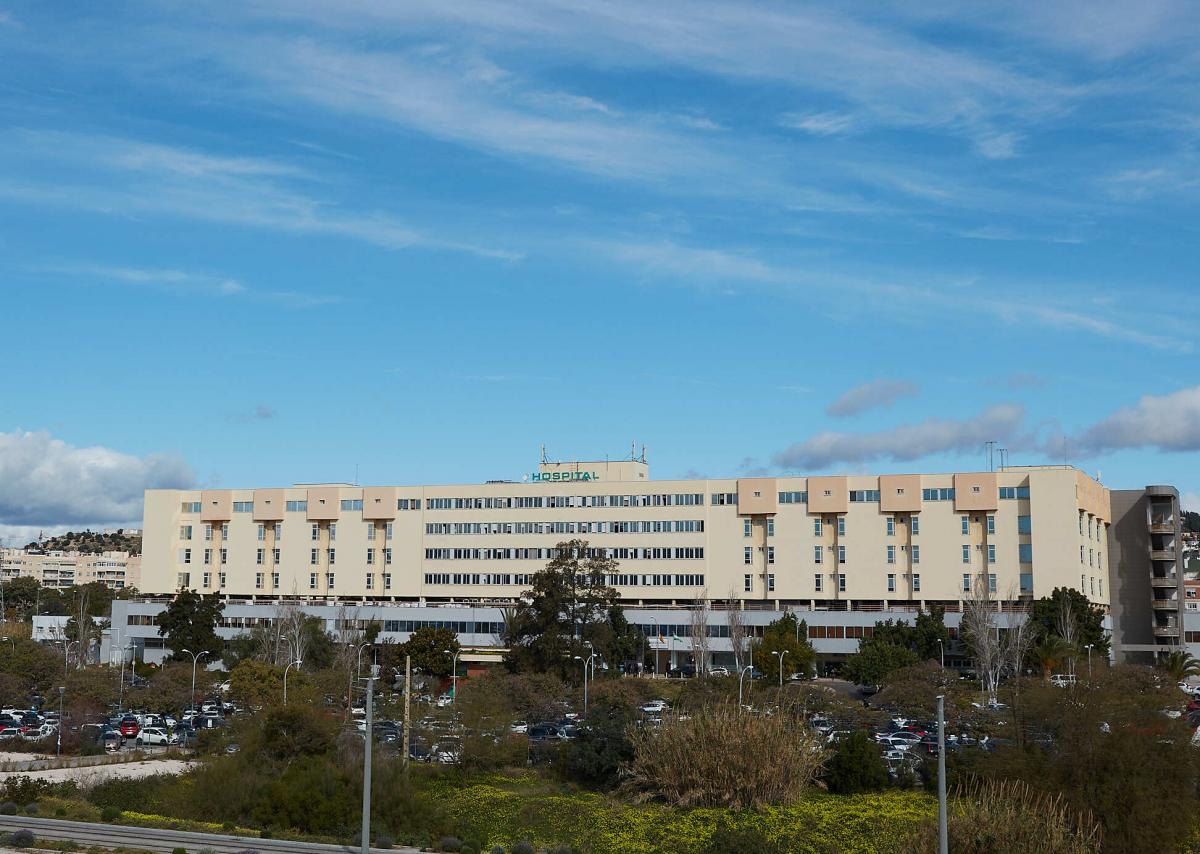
(8, 808)
(522, 847)
(856, 766)
(265, 833)
(742, 839)
(60, 811)
(21, 839)
(468, 848)
(382, 840)
(110, 813)
(450, 844)
(497, 849)
(31, 809)
(178, 851)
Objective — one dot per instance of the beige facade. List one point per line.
(116, 570)
(842, 543)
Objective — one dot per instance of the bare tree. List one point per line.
(980, 633)
(737, 631)
(700, 615)
(1068, 629)
(1019, 638)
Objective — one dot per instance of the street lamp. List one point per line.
(779, 655)
(121, 697)
(196, 656)
(357, 672)
(295, 663)
(61, 690)
(453, 674)
(1089, 649)
(587, 662)
(654, 622)
(942, 653)
(741, 675)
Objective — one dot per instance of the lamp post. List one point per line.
(943, 834)
(779, 655)
(61, 690)
(357, 671)
(121, 697)
(295, 663)
(368, 746)
(196, 656)
(942, 653)
(1089, 649)
(67, 654)
(453, 674)
(741, 675)
(654, 622)
(587, 663)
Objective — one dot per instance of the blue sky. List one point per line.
(276, 241)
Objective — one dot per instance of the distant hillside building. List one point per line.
(58, 569)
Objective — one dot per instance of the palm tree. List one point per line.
(1050, 652)
(1179, 665)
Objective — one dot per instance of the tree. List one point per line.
(190, 622)
(1050, 652)
(856, 766)
(930, 628)
(876, 660)
(783, 635)
(602, 747)
(737, 630)
(981, 634)
(569, 604)
(428, 646)
(1068, 611)
(256, 684)
(1179, 665)
(699, 613)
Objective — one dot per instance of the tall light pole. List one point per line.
(357, 672)
(67, 654)
(943, 831)
(295, 663)
(779, 655)
(61, 690)
(942, 653)
(121, 698)
(453, 674)
(654, 622)
(587, 663)
(196, 656)
(367, 750)
(1089, 649)
(741, 675)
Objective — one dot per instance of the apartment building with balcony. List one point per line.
(59, 569)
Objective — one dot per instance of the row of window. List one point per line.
(683, 526)
(496, 578)
(617, 553)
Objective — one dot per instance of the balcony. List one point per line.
(1162, 526)
(1165, 604)
(1162, 554)
(1171, 580)
(1166, 631)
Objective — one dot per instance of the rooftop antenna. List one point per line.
(991, 454)
(1003, 458)
(356, 474)
(543, 453)
(643, 454)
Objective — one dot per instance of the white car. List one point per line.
(44, 731)
(1062, 680)
(444, 701)
(519, 727)
(655, 707)
(719, 670)
(155, 735)
(10, 732)
(1189, 689)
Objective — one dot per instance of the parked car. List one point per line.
(111, 740)
(1062, 680)
(10, 732)
(444, 700)
(544, 732)
(447, 750)
(686, 671)
(719, 670)
(155, 735)
(655, 707)
(129, 727)
(519, 727)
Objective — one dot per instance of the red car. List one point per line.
(129, 727)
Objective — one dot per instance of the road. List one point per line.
(164, 841)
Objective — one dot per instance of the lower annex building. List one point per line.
(843, 551)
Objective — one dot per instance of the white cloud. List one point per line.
(872, 395)
(46, 482)
(997, 146)
(1168, 423)
(905, 443)
(819, 124)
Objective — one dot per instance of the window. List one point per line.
(793, 497)
(1089, 527)
(207, 531)
(1010, 493)
(841, 526)
(891, 554)
(770, 527)
(184, 579)
(966, 525)
(757, 494)
(991, 582)
(720, 498)
(262, 532)
(352, 504)
(841, 554)
(388, 533)
(937, 494)
(770, 554)
(1082, 586)
(312, 581)
(332, 556)
(974, 489)
(817, 550)
(224, 555)
(966, 554)
(1092, 581)
(278, 531)
(221, 578)
(1081, 524)
(828, 493)
(771, 582)
(863, 495)
(329, 580)
(914, 525)
(1091, 556)
(748, 555)
(841, 582)
(207, 557)
(816, 527)
(387, 581)
(224, 530)
(258, 581)
(370, 530)
(208, 579)
(966, 582)
(275, 557)
(991, 524)
(916, 583)
(387, 556)
(747, 528)
(891, 526)
(1101, 583)
(370, 557)
(243, 506)
(1081, 548)
(1025, 553)
(258, 557)
(185, 532)
(891, 581)
(747, 582)
(275, 580)
(1099, 561)
(190, 507)
(991, 552)
(370, 581)
(916, 554)
(1026, 582)
(1024, 525)
(817, 582)
(316, 532)
(297, 506)
(312, 558)
(333, 530)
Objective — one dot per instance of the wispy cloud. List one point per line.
(820, 124)
(1168, 422)
(877, 394)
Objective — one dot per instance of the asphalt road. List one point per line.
(164, 841)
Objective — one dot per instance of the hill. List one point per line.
(91, 542)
